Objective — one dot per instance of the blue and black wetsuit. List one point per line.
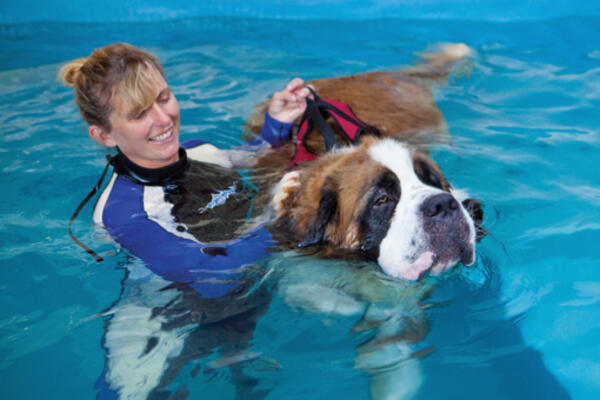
(185, 221)
(188, 225)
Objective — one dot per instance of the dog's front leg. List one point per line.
(388, 357)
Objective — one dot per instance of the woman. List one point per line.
(165, 203)
(122, 94)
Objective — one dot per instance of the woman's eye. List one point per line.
(164, 98)
(140, 115)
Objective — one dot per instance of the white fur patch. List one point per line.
(459, 194)
(289, 181)
(404, 250)
(400, 250)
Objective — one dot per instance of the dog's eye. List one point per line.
(434, 180)
(381, 200)
(427, 175)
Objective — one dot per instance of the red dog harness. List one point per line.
(317, 111)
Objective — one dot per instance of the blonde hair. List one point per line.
(117, 71)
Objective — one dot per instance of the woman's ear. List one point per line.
(101, 136)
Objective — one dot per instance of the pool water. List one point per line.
(522, 323)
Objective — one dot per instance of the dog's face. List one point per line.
(382, 199)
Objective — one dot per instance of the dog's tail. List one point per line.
(439, 61)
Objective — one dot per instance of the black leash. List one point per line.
(317, 112)
(82, 204)
(316, 115)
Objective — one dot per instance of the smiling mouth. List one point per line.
(162, 136)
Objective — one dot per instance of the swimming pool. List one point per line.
(525, 140)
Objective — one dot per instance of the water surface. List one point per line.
(525, 140)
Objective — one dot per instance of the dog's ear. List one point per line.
(325, 212)
(473, 206)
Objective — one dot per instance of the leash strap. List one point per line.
(81, 205)
(317, 111)
(316, 116)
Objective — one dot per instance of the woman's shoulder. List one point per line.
(121, 199)
(192, 143)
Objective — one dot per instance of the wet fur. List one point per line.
(318, 204)
(397, 104)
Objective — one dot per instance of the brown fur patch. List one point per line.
(397, 104)
(388, 101)
(349, 175)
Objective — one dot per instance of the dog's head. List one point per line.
(383, 200)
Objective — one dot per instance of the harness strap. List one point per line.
(82, 204)
(317, 118)
(317, 111)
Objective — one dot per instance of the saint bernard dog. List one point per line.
(383, 199)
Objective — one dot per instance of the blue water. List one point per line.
(523, 323)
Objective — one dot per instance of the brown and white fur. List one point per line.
(383, 199)
(380, 199)
(397, 104)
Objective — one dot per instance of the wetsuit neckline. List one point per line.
(149, 176)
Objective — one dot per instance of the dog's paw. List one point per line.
(320, 299)
(284, 190)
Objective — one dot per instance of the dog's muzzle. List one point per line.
(448, 231)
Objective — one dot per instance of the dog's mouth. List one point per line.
(436, 262)
(444, 245)
(448, 243)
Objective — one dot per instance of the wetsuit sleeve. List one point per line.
(274, 132)
(211, 271)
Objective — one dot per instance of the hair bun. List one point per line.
(70, 72)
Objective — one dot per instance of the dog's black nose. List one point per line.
(439, 206)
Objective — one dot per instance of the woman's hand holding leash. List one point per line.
(289, 104)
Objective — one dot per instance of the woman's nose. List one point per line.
(161, 116)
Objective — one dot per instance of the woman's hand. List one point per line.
(290, 103)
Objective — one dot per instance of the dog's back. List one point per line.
(397, 104)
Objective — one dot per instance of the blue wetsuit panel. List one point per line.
(274, 132)
(174, 258)
(211, 272)
(188, 144)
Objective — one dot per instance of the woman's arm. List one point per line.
(284, 108)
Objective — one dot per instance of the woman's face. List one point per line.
(150, 138)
